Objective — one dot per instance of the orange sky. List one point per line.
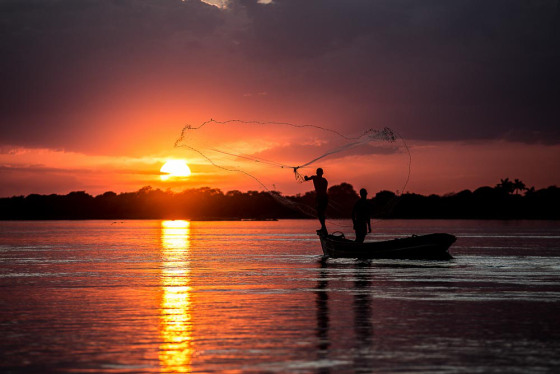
(95, 95)
(436, 167)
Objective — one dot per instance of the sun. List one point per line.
(174, 169)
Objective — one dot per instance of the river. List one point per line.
(178, 296)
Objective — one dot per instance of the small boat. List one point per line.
(417, 247)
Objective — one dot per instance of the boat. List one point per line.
(417, 247)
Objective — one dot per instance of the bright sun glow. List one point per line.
(177, 224)
(174, 169)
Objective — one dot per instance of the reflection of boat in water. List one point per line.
(361, 353)
(425, 247)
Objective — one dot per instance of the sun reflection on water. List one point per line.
(175, 352)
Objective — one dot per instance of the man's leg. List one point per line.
(322, 220)
(322, 204)
(360, 236)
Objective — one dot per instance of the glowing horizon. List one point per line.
(439, 168)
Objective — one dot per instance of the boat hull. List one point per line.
(421, 247)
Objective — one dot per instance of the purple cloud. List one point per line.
(434, 70)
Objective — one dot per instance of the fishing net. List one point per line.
(253, 148)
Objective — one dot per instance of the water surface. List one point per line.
(172, 296)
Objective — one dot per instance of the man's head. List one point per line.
(363, 193)
(319, 171)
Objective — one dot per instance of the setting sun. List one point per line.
(174, 168)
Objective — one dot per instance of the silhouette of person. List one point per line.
(320, 185)
(360, 217)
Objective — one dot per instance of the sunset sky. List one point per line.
(94, 94)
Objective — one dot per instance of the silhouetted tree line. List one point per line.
(507, 200)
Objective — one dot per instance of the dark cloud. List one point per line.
(65, 60)
(432, 69)
(435, 69)
(307, 153)
(39, 169)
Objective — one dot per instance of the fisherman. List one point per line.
(361, 217)
(320, 185)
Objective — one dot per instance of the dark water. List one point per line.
(152, 296)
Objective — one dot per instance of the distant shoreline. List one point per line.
(501, 202)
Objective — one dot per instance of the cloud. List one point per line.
(65, 62)
(435, 70)
(301, 154)
(33, 170)
(75, 73)
(223, 4)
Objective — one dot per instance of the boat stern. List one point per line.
(324, 242)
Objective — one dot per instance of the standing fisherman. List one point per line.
(320, 185)
(361, 217)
